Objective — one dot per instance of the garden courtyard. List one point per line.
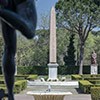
(68, 86)
(61, 61)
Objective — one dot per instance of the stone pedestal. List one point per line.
(94, 69)
(53, 72)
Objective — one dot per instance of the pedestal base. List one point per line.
(52, 72)
(94, 69)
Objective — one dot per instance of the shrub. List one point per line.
(76, 77)
(32, 77)
(20, 85)
(2, 81)
(4, 88)
(92, 78)
(85, 86)
(1, 77)
(95, 93)
(21, 77)
(40, 70)
(96, 82)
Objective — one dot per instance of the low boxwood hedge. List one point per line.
(21, 77)
(95, 93)
(20, 85)
(85, 86)
(2, 81)
(76, 77)
(95, 82)
(32, 77)
(92, 78)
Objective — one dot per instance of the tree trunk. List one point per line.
(81, 58)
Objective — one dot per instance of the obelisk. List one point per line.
(52, 48)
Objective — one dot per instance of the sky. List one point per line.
(44, 6)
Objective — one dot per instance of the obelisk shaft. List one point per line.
(52, 54)
(52, 36)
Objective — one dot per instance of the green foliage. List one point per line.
(25, 51)
(96, 82)
(76, 77)
(39, 70)
(70, 13)
(89, 47)
(21, 77)
(2, 81)
(85, 86)
(95, 93)
(62, 41)
(23, 70)
(69, 57)
(97, 47)
(80, 17)
(32, 77)
(20, 85)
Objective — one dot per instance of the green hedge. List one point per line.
(76, 77)
(95, 82)
(85, 86)
(92, 78)
(32, 77)
(85, 77)
(4, 88)
(1, 77)
(43, 70)
(95, 93)
(2, 81)
(39, 70)
(19, 86)
(21, 77)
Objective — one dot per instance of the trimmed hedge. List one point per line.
(43, 70)
(39, 70)
(2, 81)
(85, 86)
(86, 77)
(21, 77)
(32, 77)
(76, 77)
(95, 93)
(19, 86)
(96, 82)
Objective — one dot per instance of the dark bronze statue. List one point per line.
(20, 15)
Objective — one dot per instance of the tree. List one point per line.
(25, 51)
(69, 57)
(62, 41)
(80, 17)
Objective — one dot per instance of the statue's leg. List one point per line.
(17, 22)
(9, 36)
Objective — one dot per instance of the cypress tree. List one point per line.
(69, 57)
